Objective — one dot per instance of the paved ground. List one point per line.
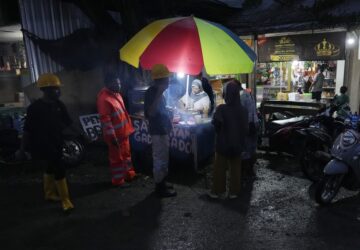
(274, 212)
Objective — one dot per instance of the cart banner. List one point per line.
(180, 138)
(309, 47)
(91, 126)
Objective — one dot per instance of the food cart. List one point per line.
(185, 45)
(192, 138)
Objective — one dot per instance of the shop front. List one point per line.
(287, 65)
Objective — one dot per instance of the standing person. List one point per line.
(46, 119)
(317, 85)
(307, 84)
(231, 125)
(249, 154)
(208, 90)
(160, 126)
(341, 100)
(117, 128)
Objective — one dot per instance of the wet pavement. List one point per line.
(275, 211)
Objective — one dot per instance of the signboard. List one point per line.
(249, 42)
(309, 47)
(91, 126)
(196, 142)
(180, 138)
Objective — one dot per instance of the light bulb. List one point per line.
(180, 75)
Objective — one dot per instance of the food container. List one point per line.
(307, 97)
(282, 96)
(294, 96)
(197, 119)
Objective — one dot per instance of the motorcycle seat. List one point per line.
(288, 121)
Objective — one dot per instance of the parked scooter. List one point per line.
(343, 170)
(318, 142)
(302, 135)
(280, 136)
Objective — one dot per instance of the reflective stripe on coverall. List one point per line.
(116, 124)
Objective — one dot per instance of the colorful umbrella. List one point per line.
(187, 45)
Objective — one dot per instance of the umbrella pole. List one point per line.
(187, 91)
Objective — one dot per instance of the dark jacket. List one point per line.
(160, 122)
(231, 123)
(209, 91)
(45, 123)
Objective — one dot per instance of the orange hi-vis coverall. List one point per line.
(116, 124)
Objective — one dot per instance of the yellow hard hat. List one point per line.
(159, 71)
(48, 80)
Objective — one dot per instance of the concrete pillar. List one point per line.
(340, 75)
(352, 74)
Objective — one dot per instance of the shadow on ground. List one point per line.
(274, 211)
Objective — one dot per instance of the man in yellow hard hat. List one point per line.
(159, 127)
(45, 120)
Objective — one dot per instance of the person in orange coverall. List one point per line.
(117, 128)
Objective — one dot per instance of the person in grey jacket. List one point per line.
(231, 126)
(249, 155)
(317, 85)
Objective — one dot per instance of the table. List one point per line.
(296, 107)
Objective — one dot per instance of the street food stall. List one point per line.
(193, 135)
(192, 138)
(186, 46)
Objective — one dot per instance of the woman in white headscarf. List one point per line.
(198, 99)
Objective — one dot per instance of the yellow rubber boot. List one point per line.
(50, 188)
(62, 188)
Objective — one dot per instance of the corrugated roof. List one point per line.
(48, 19)
(277, 15)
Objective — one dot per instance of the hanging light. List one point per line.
(350, 41)
(180, 75)
(294, 64)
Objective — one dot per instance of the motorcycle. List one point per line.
(300, 134)
(72, 151)
(279, 134)
(318, 141)
(343, 170)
